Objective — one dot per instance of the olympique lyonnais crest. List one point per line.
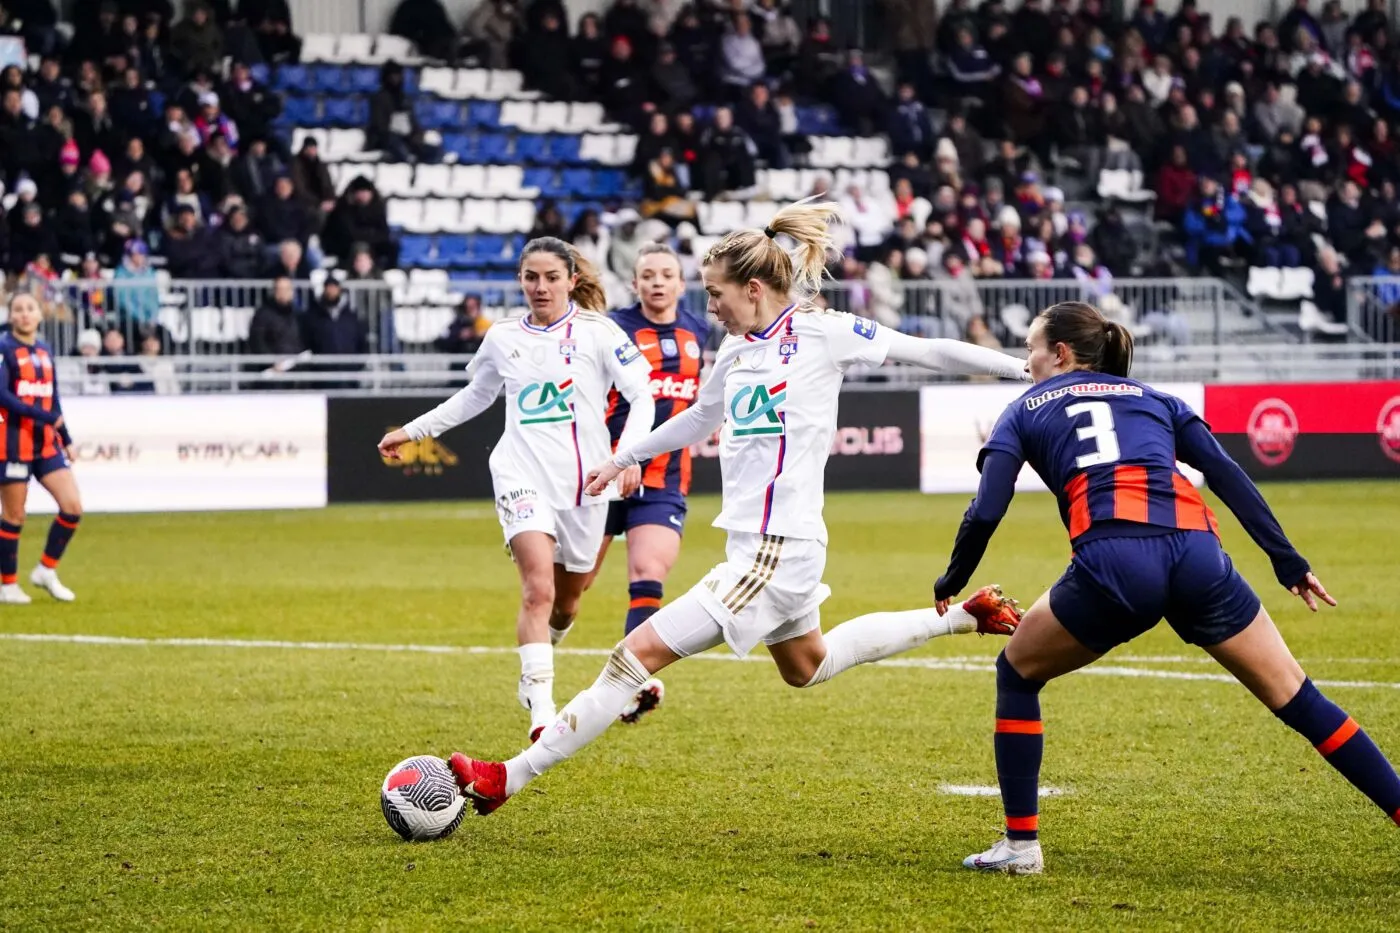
(787, 348)
(568, 346)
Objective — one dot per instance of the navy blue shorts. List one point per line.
(20, 471)
(664, 507)
(1117, 588)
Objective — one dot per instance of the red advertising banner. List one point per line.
(1309, 430)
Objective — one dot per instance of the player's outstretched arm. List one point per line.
(1196, 446)
(994, 494)
(466, 404)
(689, 427)
(954, 356)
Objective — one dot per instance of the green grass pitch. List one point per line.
(154, 786)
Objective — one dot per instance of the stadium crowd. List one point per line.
(145, 141)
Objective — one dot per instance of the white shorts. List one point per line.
(767, 590)
(577, 532)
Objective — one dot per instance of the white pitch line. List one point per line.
(974, 665)
(986, 790)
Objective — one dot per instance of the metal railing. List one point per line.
(439, 374)
(407, 313)
(1373, 307)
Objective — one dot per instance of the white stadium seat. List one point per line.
(421, 325)
(596, 148)
(503, 84)
(551, 117)
(356, 47)
(318, 47)
(405, 213)
(584, 117)
(395, 179)
(432, 181)
(436, 81)
(504, 181)
(443, 215)
(344, 145)
(471, 83)
(467, 180)
(515, 217)
(301, 135)
(519, 114)
(389, 48)
(626, 150)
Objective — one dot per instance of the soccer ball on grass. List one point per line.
(420, 799)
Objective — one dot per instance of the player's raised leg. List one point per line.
(534, 558)
(652, 550)
(12, 502)
(811, 657)
(1261, 661)
(1039, 650)
(681, 629)
(64, 489)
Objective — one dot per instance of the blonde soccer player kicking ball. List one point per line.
(557, 365)
(774, 387)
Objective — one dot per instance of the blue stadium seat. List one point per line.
(157, 99)
(610, 182)
(451, 250)
(535, 177)
(328, 79)
(364, 79)
(414, 250)
(301, 111)
(818, 121)
(291, 78)
(346, 111)
(410, 80)
(495, 149)
(577, 182)
(488, 247)
(531, 147)
(438, 114)
(260, 72)
(565, 148)
(484, 114)
(463, 145)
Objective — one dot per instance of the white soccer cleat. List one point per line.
(1012, 856)
(47, 578)
(11, 594)
(647, 699)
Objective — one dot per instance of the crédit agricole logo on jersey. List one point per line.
(546, 402)
(754, 410)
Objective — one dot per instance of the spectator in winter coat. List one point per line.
(135, 295)
(95, 130)
(672, 81)
(242, 254)
(1024, 108)
(74, 231)
(196, 42)
(856, 95)
(1213, 223)
(250, 105)
(425, 23)
(191, 250)
(275, 329)
(290, 262)
(1113, 242)
(968, 144)
(392, 126)
(625, 91)
(30, 238)
(740, 57)
(283, 216)
(332, 328)
(1350, 227)
(1272, 114)
(1264, 221)
(970, 66)
(493, 25)
(311, 180)
(467, 329)
(1299, 18)
(212, 120)
(727, 155)
(780, 36)
(546, 68)
(254, 173)
(910, 128)
(758, 117)
(588, 55)
(360, 216)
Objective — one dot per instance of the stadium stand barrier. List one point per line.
(1373, 307)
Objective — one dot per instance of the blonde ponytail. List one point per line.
(588, 293)
(757, 254)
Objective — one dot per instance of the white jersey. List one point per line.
(780, 394)
(556, 381)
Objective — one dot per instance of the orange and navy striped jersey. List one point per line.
(674, 352)
(1106, 446)
(28, 401)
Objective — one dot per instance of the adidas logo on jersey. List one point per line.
(675, 387)
(31, 389)
(754, 410)
(545, 402)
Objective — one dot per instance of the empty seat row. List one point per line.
(401, 180)
(1280, 284)
(335, 145)
(457, 250)
(442, 215)
(792, 184)
(206, 325)
(1123, 185)
(358, 48)
(326, 79)
(850, 151)
(716, 218)
(608, 149)
(553, 116)
(465, 83)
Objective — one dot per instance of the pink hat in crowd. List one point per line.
(69, 155)
(99, 164)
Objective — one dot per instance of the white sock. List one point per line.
(556, 635)
(537, 682)
(884, 634)
(582, 721)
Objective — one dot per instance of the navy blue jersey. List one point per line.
(1106, 446)
(28, 401)
(674, 352)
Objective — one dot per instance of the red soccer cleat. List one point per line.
(535, 734)
(996, 613)
(481, 782)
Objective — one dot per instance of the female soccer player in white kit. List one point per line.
(774, 388)
(557, 364)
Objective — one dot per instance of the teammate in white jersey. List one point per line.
(774, 388)
(556, 364)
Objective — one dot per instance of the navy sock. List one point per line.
(1345, 746)
(9, 552)
(1019, 743)
(646, 599)
(60, 533)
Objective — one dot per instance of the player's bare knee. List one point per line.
(537, 595)
(15, 516)
(798, 675)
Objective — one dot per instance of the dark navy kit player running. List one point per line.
(671, 340)
(1145, 546)
(33, 445)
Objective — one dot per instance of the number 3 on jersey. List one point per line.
(1099, 430)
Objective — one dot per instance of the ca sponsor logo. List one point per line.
(428, 457)
(1272, 430)
(755, 409)
(1388, 428)
(546, 402)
